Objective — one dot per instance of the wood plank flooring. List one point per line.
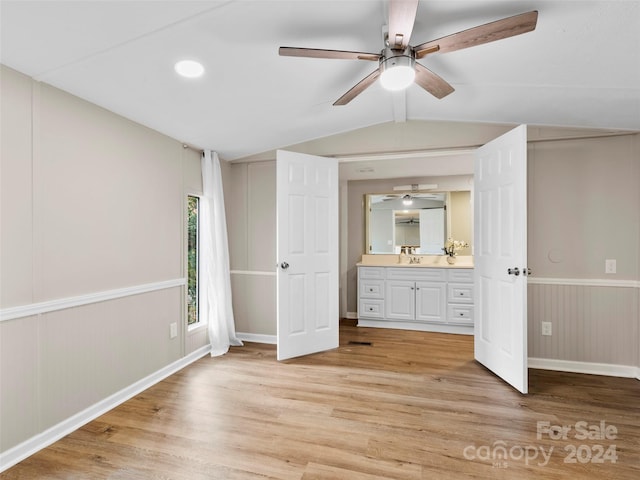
(410, 406)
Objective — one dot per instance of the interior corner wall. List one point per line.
(92, 204)
(636, 152)
(252, 246)
(583, 199)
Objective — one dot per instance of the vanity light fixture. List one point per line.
(189, 68)
(407, 200)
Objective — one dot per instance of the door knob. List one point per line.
(513, 271)
(284, 265)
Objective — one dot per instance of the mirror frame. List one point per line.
(366, 202)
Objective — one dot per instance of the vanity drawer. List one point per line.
(460, 275)
(460, 314)
(417, 273)
(460, 293)
(370, 272)
(371, 308)
(371, 288)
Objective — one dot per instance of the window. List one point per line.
(193, 225)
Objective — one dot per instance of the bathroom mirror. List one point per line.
(417, 222)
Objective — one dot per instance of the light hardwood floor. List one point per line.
(412, 405)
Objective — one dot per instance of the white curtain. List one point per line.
(215, 278)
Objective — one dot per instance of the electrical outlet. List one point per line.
(173, 330)
(610, 265)
(546, 328)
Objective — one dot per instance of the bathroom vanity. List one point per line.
(430, 296)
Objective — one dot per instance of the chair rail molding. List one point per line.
(70, 302)
(584, 282)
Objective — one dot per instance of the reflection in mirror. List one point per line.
(417, 223)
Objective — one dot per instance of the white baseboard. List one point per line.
(352, 315)
(257, 338)
(27, 448)
(612, 370)
(422, 327)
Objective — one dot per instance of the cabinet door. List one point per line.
(431, 301)
(400, 300)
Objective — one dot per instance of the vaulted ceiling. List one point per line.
(579, 68)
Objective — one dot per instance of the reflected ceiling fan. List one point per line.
(397, 65)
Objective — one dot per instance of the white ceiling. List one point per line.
(580, 67)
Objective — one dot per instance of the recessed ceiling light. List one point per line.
(189, 68)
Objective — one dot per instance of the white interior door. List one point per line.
(500, 255)
(307, 231)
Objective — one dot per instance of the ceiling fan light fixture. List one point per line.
(397, 72)
(407, 200)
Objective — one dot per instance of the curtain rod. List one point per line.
(191, 147)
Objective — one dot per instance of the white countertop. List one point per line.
(426, 261)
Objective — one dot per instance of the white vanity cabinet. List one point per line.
(460, 297)
(415, 294)
(371, 292)
(416, 298)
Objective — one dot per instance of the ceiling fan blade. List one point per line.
(322, 53)
(432, 83)
(489, 32)
(402, 16)
(358, 88)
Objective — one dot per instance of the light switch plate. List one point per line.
(173, 330)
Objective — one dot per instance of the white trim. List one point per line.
(403, 155)
(194, 327)
(585, 282)
(252, 272)
(37, 442)
(612, 370)
(70, 302)
(352, 315)
(257, 338)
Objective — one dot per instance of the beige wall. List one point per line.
(462, 221)
(252, 246)
(91, 202)
(584, 208)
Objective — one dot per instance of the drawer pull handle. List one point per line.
(371, 289)
(462, 314)
(371, 309)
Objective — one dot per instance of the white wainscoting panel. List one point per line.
(593, 321)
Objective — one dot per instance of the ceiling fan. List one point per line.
(397, 65)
